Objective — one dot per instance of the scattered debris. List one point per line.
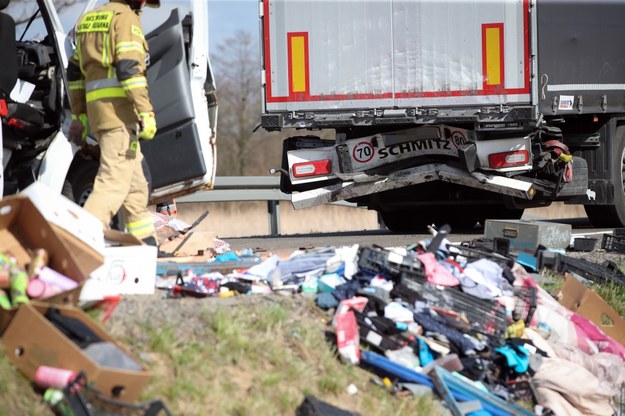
(466, 321)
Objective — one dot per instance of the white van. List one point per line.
(35, 108)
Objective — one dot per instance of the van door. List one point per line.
(181, 158)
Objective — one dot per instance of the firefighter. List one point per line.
(109, 96)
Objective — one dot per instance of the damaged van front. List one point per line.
(179, 161)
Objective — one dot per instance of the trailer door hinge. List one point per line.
(604, 103)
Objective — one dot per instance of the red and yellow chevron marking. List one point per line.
(492, 55)
(299, 81)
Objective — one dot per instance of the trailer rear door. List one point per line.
(340, 54)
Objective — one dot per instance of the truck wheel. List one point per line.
(405, 221)
(81, 181)
(499, 212)
(613, 215)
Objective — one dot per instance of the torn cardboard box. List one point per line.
(32, 340)
(66, 214)
(129, 269)
(80, 230)
(579, 298)
(23, 228)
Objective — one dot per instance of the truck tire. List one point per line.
(416, 220)
(81, 181)
(405, 221)
(613, 215)
(499, 212)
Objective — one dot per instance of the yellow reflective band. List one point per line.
(133, 83)
(129, 46)
(136, 31)
(76, 85)
(95, 22)
(106, 53)
(141, 228)
(112, 92)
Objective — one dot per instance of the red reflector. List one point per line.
(508, 159)
(314, 168)
(13, 122)
(4, 110)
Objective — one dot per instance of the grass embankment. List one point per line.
(249, 358)
(260, 359)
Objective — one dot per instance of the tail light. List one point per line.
(13, 122)
(312, 168)
(508, 159)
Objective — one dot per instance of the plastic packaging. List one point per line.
(38, 262)
(19, 282)
(38, 289)
(55, 398)
(5, 302)
(404, 356)
(54, 278)
(6, 265)
(54, 377)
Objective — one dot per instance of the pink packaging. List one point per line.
(53, 377)
(38, 289)
(54, 278)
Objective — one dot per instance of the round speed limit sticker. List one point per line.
(363, 152)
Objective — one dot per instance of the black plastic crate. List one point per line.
(472, 254)
(389, 265)
(613, 243)
(484, 316)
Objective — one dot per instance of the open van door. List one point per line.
(181, 158)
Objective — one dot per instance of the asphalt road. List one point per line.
(285, 244)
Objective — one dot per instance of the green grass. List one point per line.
(614, 295)
(260, 359)
(17, 396)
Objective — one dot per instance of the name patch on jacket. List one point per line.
(95, 22)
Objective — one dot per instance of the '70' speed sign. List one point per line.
(363, 152)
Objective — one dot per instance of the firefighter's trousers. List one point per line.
(120, 182)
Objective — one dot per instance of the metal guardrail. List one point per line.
(245, 188)
(248, 188)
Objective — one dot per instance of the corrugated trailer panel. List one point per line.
(581, 56)
(384, 53)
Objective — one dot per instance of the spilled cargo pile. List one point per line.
(466, 322)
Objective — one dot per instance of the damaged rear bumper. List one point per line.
(413, 176)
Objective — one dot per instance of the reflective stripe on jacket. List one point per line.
(109, 78)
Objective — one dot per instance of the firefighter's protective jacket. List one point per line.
(107, 73)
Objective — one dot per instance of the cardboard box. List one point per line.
(527, 235)
(22, 228)
(579, 298)
(81, 231)
(31, 340)
(129, 269)
(66, 214)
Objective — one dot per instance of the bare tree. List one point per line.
(237, 70)
(22, 10)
